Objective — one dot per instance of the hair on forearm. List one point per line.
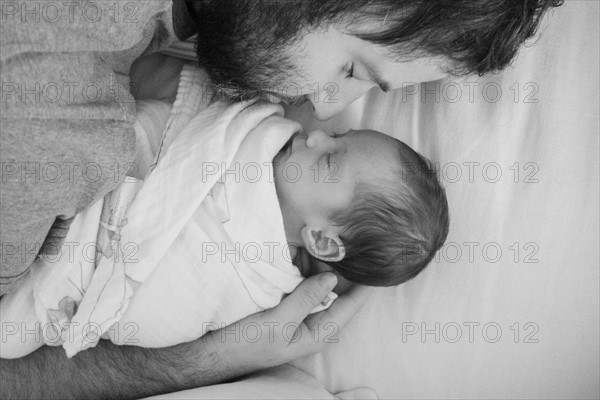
(109, 371)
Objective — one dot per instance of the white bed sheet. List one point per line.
(551, 129)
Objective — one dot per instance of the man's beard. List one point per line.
(245, 48)
(257, 82)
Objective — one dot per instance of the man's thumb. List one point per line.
(308, 295)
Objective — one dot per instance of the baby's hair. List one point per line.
(395, 223)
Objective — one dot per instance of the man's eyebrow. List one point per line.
(383, 85)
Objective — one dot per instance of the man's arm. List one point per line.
(107, 371)
(133, 372)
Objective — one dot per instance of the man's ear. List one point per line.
(323, 244)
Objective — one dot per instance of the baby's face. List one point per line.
(316, 174)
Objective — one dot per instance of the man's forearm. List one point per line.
(110, 371)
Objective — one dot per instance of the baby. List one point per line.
(364, 203)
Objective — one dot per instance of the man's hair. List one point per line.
(242, 43)
(395, 223)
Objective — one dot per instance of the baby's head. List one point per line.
(363, 202)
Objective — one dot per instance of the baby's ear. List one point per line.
(325, 245)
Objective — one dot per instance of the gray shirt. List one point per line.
(67, 113)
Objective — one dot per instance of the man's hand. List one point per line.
(133, 372)
(286, 332)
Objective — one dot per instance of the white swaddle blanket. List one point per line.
(202, 244)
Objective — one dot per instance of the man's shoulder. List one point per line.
(60, 56)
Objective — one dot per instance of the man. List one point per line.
(67, 136)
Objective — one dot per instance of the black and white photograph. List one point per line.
(300, 199)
